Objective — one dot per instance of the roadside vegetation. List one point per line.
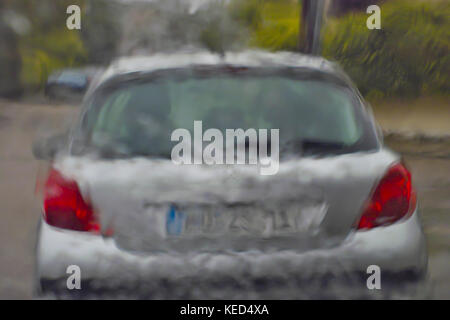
(43, 42)
(40, 43)
(408, 57)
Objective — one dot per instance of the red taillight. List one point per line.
(393, 199)
(64, 206)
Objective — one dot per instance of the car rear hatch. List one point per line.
(157, 206)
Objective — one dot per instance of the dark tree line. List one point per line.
(35, 40)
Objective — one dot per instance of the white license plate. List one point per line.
(242, 220)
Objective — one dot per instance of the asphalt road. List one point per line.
(21, 123)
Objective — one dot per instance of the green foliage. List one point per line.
(100, 30)
(217, 31)
(273, 24)
(410, 55)
(247, 12)
(43, 53)
(48, 44)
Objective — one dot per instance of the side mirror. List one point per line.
(46, 149)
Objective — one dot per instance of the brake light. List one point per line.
(393, 199)
(64, 206)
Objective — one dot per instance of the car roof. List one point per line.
(248, 58)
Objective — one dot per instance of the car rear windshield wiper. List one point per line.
(303, 146)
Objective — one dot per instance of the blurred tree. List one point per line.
(9, 61)
(100, 30)
(46, 44)
(171, 25)
(272, 24)
(410, 55)
(340, 7)
(217, 31)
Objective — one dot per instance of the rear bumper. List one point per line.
(341, 272)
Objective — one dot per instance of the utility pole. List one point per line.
(310, 26)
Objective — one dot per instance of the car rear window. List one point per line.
(138, 117)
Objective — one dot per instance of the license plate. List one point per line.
(175, 221)
(242, 220)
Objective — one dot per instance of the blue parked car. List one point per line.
(69, 83)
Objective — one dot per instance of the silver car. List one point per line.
(339, 219)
